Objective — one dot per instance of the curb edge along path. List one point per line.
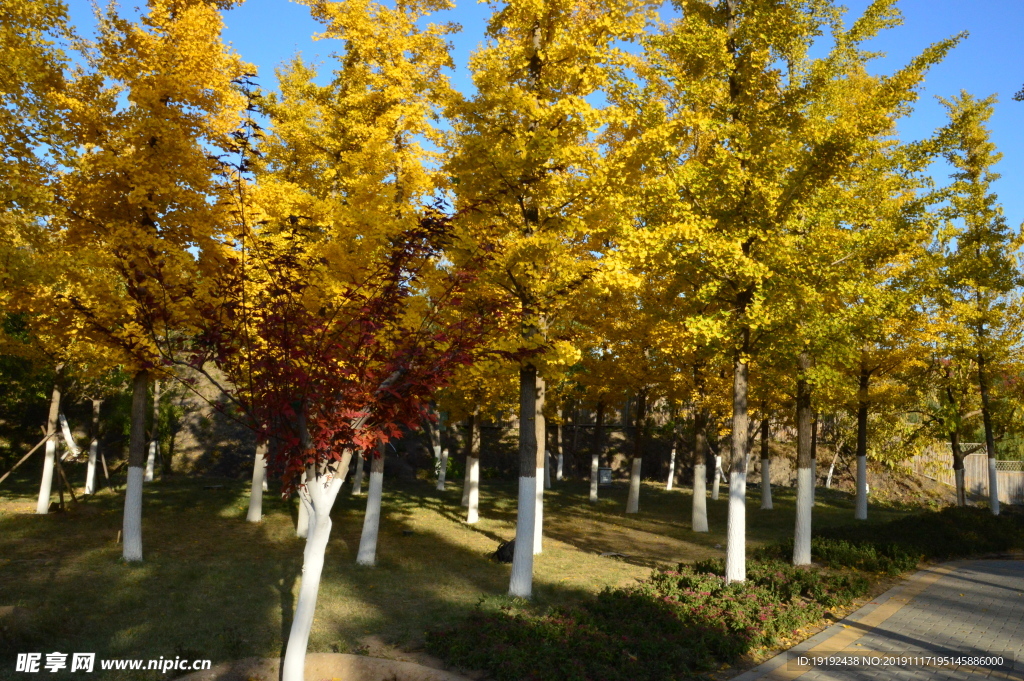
(974, 607)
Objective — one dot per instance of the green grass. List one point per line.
(213, 586)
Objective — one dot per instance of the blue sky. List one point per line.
(989, 61)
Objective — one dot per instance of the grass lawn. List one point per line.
(213, 586)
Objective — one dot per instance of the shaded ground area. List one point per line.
(213, 586)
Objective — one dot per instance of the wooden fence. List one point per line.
(937, 464)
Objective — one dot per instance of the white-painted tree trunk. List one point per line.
(259, 470)
(302, 523)
(594, 465)
(671, 470)
(538, 518)
(861, 508)
(443, 470)
(736, 528)
(132, 530)
(543, 469)
(633, 500)
(718, 478)
(472, 452)
(766, 484)
(961, 491)
(90, 470)
(151, 462)
(132, 527)
(94, 446)
(357, 477)
(371, 521)
(69, 440)
(46, 485)
(318, 495)
(531, 486)
(473, 489)
(521, 582)
(993, 486)
(804, 505)
(699, 516)
(558, 447)
(154, 443)
(265, 487)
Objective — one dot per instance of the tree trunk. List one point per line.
(958, 468)
(530, 404)
(473, 507)
(302, 523)
(716, 481)
(543, 467)
(990, 442)
(443, 470)
(736, 535)
(814, 457)
(671, 470)
(317, 496)
(472, 450)
(699, 516)
(154, 443)
(371, 520)
(861, 512)
(766, 466)
(433, 433)
(547, 469)
(595, 456)
(558, 448)
(94, 448)
(473, 471)
(357, 476)
(259, 471)
(804, 481)
(576, 440)
(633, 502)
(46, 486)
(132, 529)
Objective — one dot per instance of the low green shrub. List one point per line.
(616, 637)
(838, 554)
(939, 535)
(678, 623)
(671, 626)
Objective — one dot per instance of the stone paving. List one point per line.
(962, 609)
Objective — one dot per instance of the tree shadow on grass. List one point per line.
(213, 586)
(206, 579)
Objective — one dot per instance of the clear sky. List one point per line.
(990, 61)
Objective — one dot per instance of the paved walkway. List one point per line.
(967, 609)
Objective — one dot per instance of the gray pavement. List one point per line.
(966, 612)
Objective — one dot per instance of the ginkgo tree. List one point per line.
(139, 208)
(32, 142)
(530, 177)
(980, 271)
(760, 131)
(334, 314)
